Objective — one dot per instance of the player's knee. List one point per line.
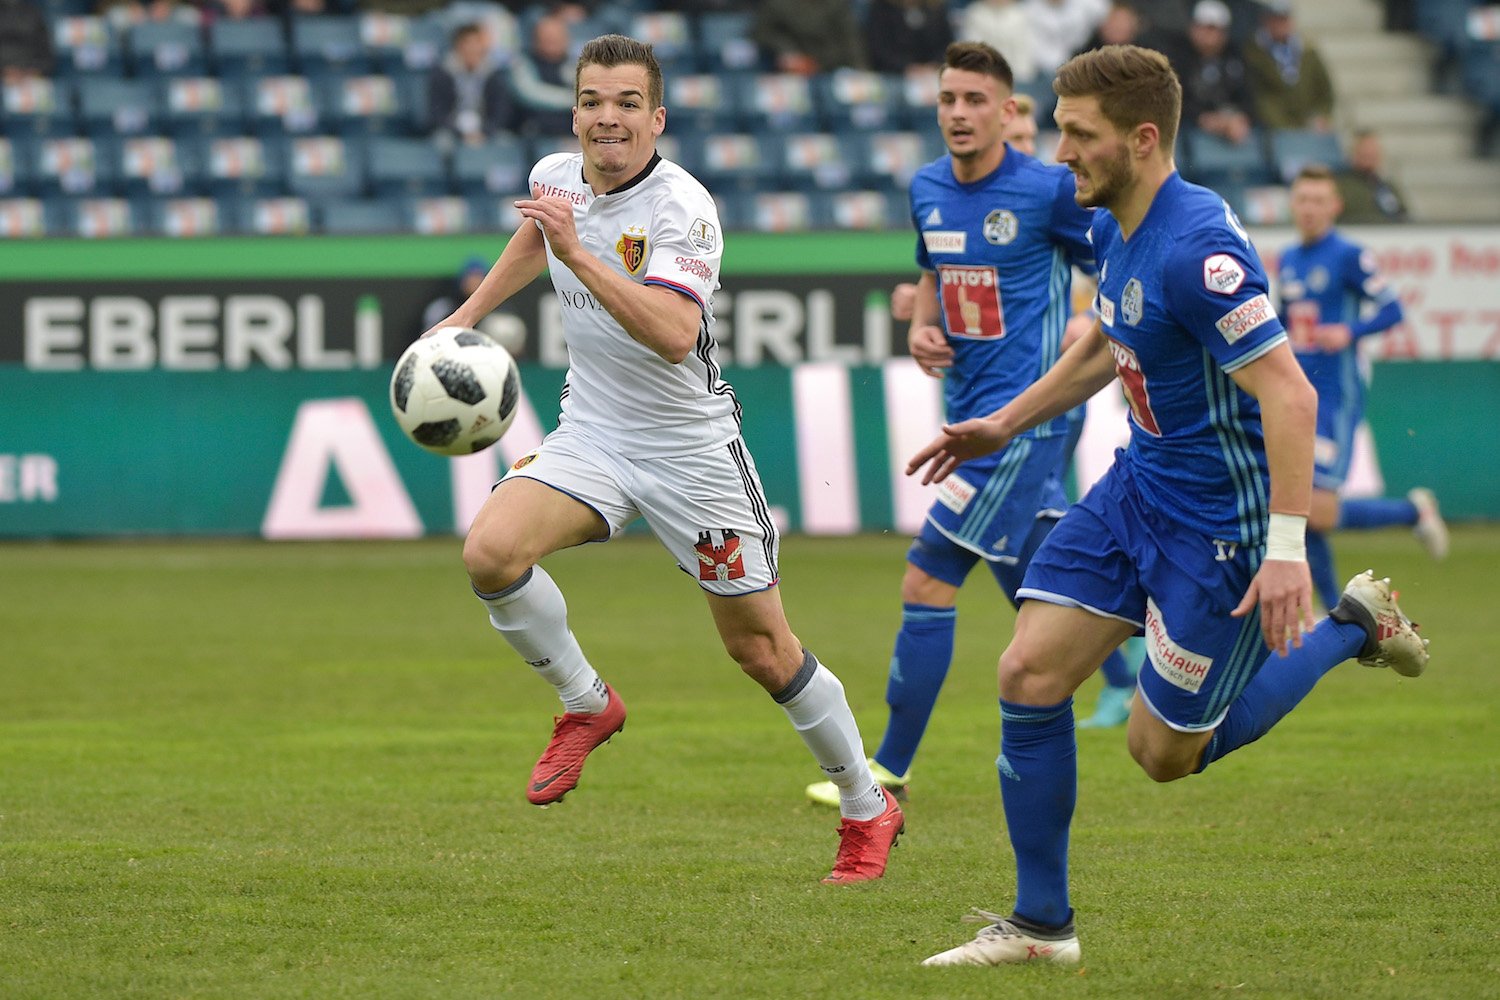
(1022, 673)
(493, 562)
(1161, 766)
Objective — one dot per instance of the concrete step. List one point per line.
(1324, 18)
(1378, 49)
(1444, 204)
(1416, 111)
(1419, 145)
(1480, 177)
(1382, 80)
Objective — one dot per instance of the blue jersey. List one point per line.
(1329, 281)
(1184, 303)
(1001, 250)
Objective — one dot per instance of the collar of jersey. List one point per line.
(1008, 164)
(645, 172)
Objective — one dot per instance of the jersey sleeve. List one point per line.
(924, 259)
(1361, 273)
(1071, 222)
(686, 245)
(1217, 291)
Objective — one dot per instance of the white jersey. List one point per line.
(661, 228)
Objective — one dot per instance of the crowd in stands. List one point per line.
(424, 115)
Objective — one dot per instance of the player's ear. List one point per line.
(1145, 138)
(575, 120)
(659, 120)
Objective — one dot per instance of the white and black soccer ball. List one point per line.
(455, 392)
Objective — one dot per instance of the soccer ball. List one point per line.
(455, 392)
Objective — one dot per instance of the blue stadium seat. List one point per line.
(671, 38)
(384, 38)
(739, 162)
(406, 167)
(16, 158)
(684, 149)
(855, 100)
(439, 215)
(724, 43)
(919, 95)
(1263, 205)
(497, 168)
(426, 43)
(98, 218)
(1293, 149)
(36, 107)
(200, 106)
(144, 165)
(1040, 91)
(70, 165)
(361, 105)
(22, 218)
(494, 215)
(165, 48)
(815, 160)
(890, 159)
(269, 216)
(329, 43)
(781, 212)
(1212, 161)
(280, 105)
(109, 106)
(325, 166)
(359, 216)
(86, 45)
(248, 47)
(184, 217)
(238, 165)
(862, 210)
(774, 102)
(700, 103)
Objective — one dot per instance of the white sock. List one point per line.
(533, 617)
(815, 702)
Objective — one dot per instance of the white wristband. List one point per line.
(1286, 538)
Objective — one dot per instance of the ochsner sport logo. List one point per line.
(1177, 666)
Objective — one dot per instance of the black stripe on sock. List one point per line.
(506, 592)
(800, 679)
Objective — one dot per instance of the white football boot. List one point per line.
(1431, 530)
(1392, 640)
(1004, 943)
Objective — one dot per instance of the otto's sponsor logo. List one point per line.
(567, 194)
(696, 267)
(955, 494)
(1133, 381)
(719, 562)
(1105, 307)
(1177, 666)
(945, 241)
(1223, 274)
(1244, 318)
(702, 235)
(970, 277)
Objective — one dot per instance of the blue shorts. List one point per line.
(989, 508)
(1114, 556)
(1333, 447)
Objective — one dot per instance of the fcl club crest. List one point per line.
(632, 249)
(1130, 301)
(719, 562)
(1000, 227)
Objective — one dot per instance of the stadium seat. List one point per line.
(685, 150)
(426, 42)
(774, 102)
(182, 217)
(280, 105)
(35, 107)
(700, 103)
(86, 45)
(863, 210)
(16, 157)
(739, 162)
(1264, 205)
(890, 159)
(69, 166)
(329, 43)
(97, 218)
(855, 100)
(200, 106)
(781, 212)
(499, 167)
(22, 218)
(1293, 149)
(919, 95)
(384, 38)
(724, 43)
(254, 46)
(165, 48)
(239, 165)
(670, 37)
(111, 106)
(439, 215)
(1212, 161)
(815, 160)
(406, 167)
(359, 216)
(361, 105)
(146, 165)
(270, 216)
(324, 167)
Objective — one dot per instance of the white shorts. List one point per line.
(709, 509)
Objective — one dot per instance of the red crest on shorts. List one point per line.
(719, 562)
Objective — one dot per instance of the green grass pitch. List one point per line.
(251, 770)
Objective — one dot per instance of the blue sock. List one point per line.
(1320, 563)
(1118, 672)
(924, 651)
(1376, 512)
(1281, 683)
(1038, 768)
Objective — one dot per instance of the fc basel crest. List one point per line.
(1130, 301)
(632, 249)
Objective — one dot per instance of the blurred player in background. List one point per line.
(649, 429)
(1195, 534)
(1325, 280)
(998, 236)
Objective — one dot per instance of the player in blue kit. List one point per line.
(1195, 535)
(998, 236)
(1325, 280)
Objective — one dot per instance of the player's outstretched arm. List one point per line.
(1288, 411)
(1082, 371)
(524, 257)
(667, 322)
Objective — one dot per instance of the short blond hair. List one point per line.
(1025, 105)
(1133, 85)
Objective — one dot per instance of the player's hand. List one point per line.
(903, 302)
(1332, 337)
(554, 217)
(957, 444)
(1283, 590)
(930, 349)
(1076, 327)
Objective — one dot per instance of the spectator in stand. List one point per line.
(406, 8)
(1121, 26)
(1216, 95)
(542, 79)
(123, 14)
(25, 42)
(1287, 76)
(1059, 28)
(808, 36)
(232, 10)
(1368, 196)
(468, 94)
(1004, 25)
(907, 36)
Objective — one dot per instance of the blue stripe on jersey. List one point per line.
(1251, 502)
(995, 490)
(1247, 653)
